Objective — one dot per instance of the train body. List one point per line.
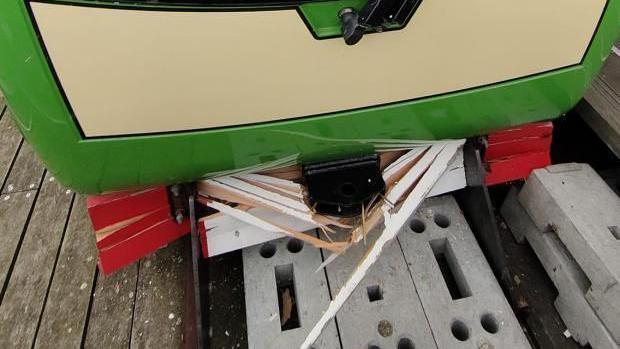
(120, 94)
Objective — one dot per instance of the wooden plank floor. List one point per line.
(601, 105)
(52, 294)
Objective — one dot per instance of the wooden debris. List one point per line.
(410, 170)
(393, 223)
(287, 306)
(263, 224)
(270, 199)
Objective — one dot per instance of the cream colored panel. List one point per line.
(128, 72)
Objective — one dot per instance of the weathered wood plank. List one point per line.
(610, 74)
(64, 317)
(27, 286)
(26, 171)
(10, 139)
(112, 310)
(14, 211)
(604, 97)
(159, 308)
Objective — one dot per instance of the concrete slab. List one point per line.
(570, 281)
(573, 201)
(466, 308)
(384, 310)
(274, 263)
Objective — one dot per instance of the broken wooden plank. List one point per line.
(260, 194)
(65, 315)
(403, 164)
(283, 164)
(393, 223)
(14, 212)
(10, 140)
(453, 178)
(412, 176)
(288, 173)
(159, 307)
(285, 198)
(269, 226)
(278, 182)
(225, 233)
(29, 281)
(114, 295)
(227, 192)
(295, 195)
(26, 172)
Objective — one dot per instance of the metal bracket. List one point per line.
(376, 15)
(343, 187)
(476, 204)
(196, 326)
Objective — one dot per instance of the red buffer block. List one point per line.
(132, 224)
(512, 154)
(108, 209)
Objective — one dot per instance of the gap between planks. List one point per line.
(29, 281)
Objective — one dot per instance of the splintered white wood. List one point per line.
(412, 176)
(454, 177)
(402, 162)
(279, 163)
(265, 225)
(255, 191)
(269, 203)
(226, 233)
(393, 223)
(290, 185)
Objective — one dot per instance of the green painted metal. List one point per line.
(322, 17)
(96, 165)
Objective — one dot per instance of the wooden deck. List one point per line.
(601, 105)
(52, 294)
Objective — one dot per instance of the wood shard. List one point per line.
(287, 306)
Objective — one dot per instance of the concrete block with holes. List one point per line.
(570, 281)
(285, 264)
(384, 311)
(462, 300)
(573, 201)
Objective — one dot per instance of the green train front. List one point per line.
(126, 94)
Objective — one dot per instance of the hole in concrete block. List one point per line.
(287, 297)
(294, 245)
(373, 346)
(267, 250)
(615, 231)
(489, 323)
(417, 226)
(450, 269)
(374, 293)
(441, 220)
(459, 330)
(385, 328)
(405, 343)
